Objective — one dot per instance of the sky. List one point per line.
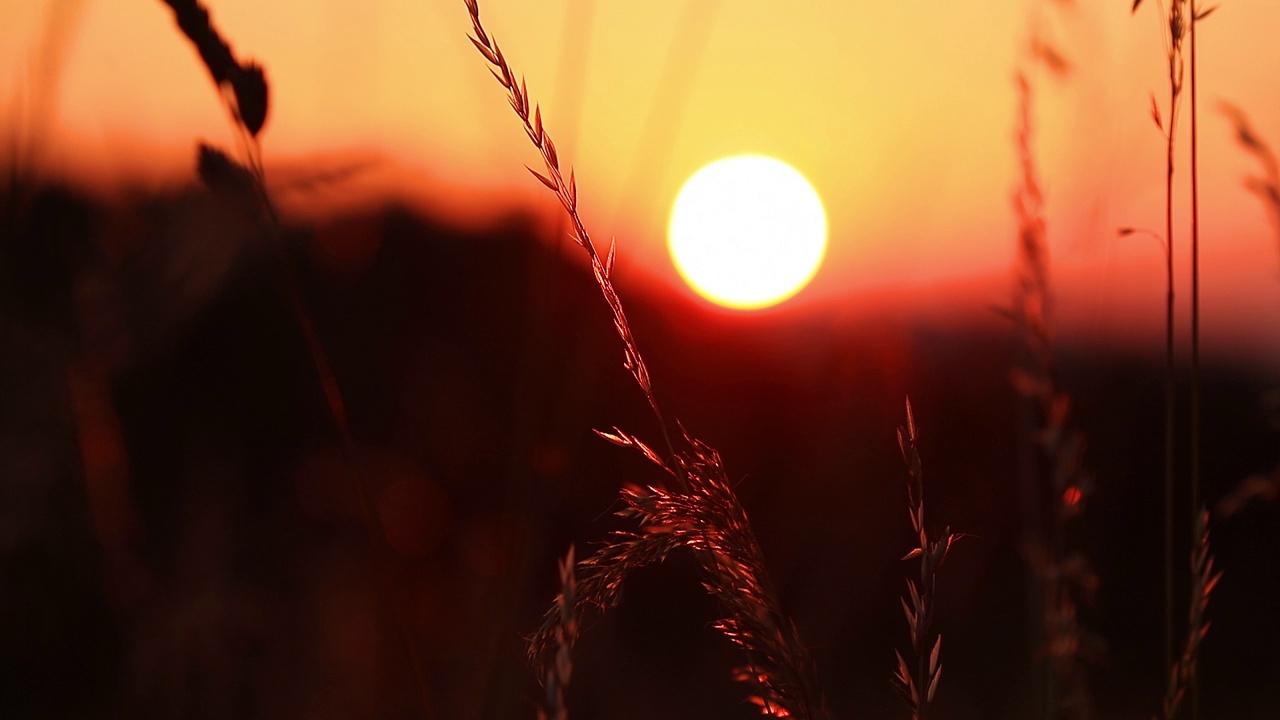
(900, 114)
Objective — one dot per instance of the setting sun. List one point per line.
(747, 231)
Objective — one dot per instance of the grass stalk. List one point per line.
(560, 670)
(1028, 304)
(566, 191)
(1174, 23)
(1195, 268)
(1195, 305)
(1182, 19)
(244, 91)
(1267, 184)
(1170, 396)
(1169, 427)
(701, 514)
(1182, 674)
(1057, 484)
(919, 684)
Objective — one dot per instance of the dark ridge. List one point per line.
(176, 538)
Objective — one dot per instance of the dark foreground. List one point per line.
(179, 536)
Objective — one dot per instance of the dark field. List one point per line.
(179, 537)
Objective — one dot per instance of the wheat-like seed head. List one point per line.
(1204, 578)
(703, 514)
(918, 685)
(1059, 488)
(1267, 184)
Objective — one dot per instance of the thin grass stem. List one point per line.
(1195, 309)
(702, 514)
(243, 89)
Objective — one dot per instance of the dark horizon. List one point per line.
(181, 539)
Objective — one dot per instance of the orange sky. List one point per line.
(901, 114)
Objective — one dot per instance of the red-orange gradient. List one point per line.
(901, 114)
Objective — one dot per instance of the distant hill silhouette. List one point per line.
(178, 537)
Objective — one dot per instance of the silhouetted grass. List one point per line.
(245, 93)
(559, 668)
(1174, 24)
(1179, 27)
(1182, 674)
(1267, 184)
(919, 684)
(701, 513)
(1056, 487)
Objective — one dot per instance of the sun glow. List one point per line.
(747, 231)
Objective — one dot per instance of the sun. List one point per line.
(747, 231)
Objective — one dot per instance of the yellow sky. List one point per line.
(900, 113)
